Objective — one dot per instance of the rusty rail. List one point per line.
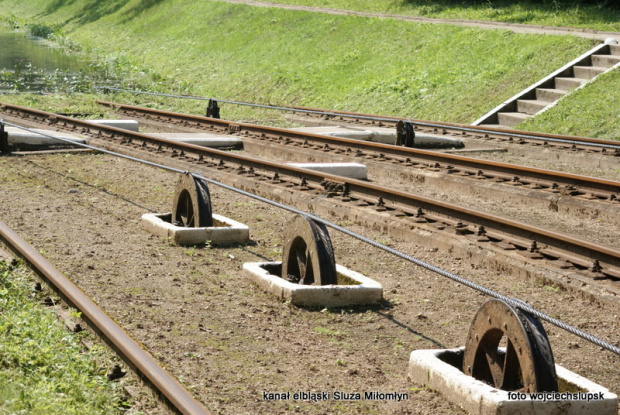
(516, 302)
(383, 120)
(141, 362)
(480, 131)
(451, 162)
(156, 149)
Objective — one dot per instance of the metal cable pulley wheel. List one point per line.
(308, 256)
(192, 203)
(527, 363)
(4, 139)
(213, 110)
(405, 135)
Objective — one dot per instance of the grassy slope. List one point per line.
(380, 66)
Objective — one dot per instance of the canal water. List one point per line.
(30, 64)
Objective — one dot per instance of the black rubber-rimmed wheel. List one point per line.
(405, 134)
(308, 255)
(192, 203)
(527, 363)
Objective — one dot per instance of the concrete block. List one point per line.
(358, 289)
(27, 140)
(351, 170)
(223, 232)
(587, 72)
(605, 61)
(202, 139)
(440, 370)
(130, 125)
(549, 94)
(383, 135)
(375, 134)
(436, 141)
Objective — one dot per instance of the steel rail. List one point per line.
(404, 201)
(481, 130)
(128, 349)
(475, 166)
(512, 301)
(473, 129)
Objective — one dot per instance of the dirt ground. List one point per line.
(229, 342)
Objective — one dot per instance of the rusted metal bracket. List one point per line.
(333, 188)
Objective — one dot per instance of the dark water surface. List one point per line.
(18, 48)
(28, 63)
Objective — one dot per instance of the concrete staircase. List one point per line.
(547, 91)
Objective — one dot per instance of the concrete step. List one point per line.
(566, 84)
(614, 50)
(510, 119)
(531, 106)
(549, 94)
(587, 72)
(605, 61)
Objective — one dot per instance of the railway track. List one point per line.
(340, 193)
(503, 135)
(414, 170)
(374, 205)
(241, 294)
(489, 134)
(566, 184)
(141, 362)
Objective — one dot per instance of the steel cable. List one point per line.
(514, 302)
(370, 118)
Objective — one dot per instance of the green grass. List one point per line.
(381, 66)
(421, 71)
(602, 16)
(286, 57)
(43, 368)
(326, 331)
